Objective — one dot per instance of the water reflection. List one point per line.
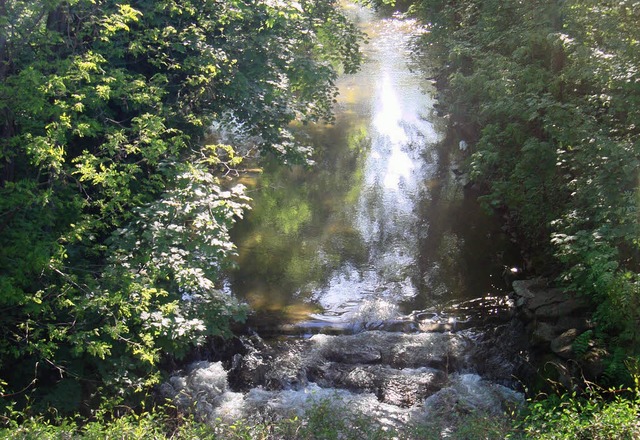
(391, 186)
(376, 229)
(388, 115)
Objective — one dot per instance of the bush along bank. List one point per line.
(546, 94)
(115, 204)
(543, 99)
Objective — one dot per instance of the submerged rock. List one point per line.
(401, 387)
(201, 389)
(497, 353)
(444, 351)
(468, 396)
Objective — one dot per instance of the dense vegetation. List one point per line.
(547, 95)
(114, 208)
(325, 420)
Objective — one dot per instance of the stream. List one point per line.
(375, 277)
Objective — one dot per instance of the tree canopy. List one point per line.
(546, 92)
(114, 207)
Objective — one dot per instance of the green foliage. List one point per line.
(114, 215)
(471, 426)
(383, 5)
(581, 344)
(612, 415)
(153, 424)
(546, 94)
(325, 419)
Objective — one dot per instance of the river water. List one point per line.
(379, 229)
(374, 275)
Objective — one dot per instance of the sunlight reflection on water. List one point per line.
(393, 178)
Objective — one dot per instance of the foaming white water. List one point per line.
(374, 310)
(471, 392)
(204, 390)
(467, 394)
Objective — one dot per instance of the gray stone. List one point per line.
(399, 326)
(543, 333)
(593, 365)
(562, 344)
(399, 350)
(400, 387)
(568, 322)
(540, 302)
(545, 298)
(526, 288)
(354, 354)
(568, 307)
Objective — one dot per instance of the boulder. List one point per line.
(554, 318)
(563, 307)
(543, 333)
(593, 364)
(400, 387)
(562, 345)
(526, 288)
(444, 351)
(540, 302)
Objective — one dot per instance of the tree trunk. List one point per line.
(57, 19)
(4, 56)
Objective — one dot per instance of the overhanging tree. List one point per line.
(114, 213)
(550, 90)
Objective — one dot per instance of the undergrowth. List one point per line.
(325, 420)
(598, 414)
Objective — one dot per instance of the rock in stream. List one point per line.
(395, 377)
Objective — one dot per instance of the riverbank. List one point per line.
(549, 139)
(524, 151)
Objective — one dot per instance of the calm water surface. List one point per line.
(379, 228)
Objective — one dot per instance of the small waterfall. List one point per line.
(393, 377)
